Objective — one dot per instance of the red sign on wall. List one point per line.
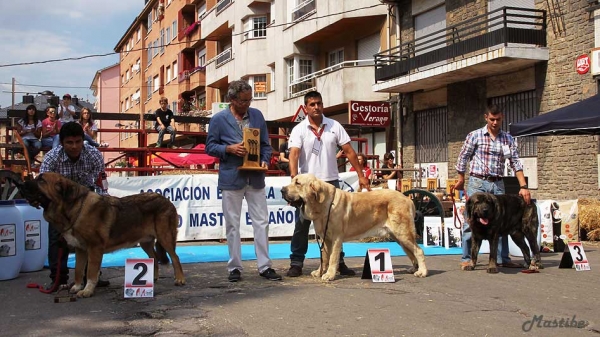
(370, 113)
(582, 64)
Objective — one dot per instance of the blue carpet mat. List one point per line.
(219, 253)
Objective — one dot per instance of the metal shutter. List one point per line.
(368, 47)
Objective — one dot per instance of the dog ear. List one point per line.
(317, 192)
(64, 189)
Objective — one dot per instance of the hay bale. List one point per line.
(589, 217)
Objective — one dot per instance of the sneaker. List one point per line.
(294, 271)
(271, 275)
(344, 270)
(235, 275)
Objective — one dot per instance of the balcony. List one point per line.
(303, 9)
(500, 41)
(192, 79)
(190, 36)
(219, 68)
(353, 76)
(224, 57)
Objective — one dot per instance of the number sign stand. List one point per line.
(378, 266)
(139, 278)
(574, 255)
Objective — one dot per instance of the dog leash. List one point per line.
(322, 243)
(456, 218)
(56, 277)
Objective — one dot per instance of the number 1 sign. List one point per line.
(378, 266)
(139, 278)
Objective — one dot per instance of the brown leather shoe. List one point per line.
(294, 271)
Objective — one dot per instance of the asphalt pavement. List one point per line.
(449, 302)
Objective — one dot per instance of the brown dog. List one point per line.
(491, 216)
(340, 216)
(96, 224)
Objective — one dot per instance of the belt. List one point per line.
(488, 178)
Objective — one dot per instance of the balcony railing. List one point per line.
(221, 5)
(223, 58)
(303, 9)
(306, 83)
(502, 26)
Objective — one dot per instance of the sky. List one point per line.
(39, 30)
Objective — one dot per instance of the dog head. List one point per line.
(49, 187)
(481, 208)
(307, 193)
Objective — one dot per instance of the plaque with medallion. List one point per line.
(252, 145)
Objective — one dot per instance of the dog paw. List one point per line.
(180, 282)
(412, 270)
(75, 288)
(328, 277)
(492, 270)
(420, 273)
(316, 273)
(85, 293)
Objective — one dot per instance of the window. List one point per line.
(127, 75)
(149, 87)
(335, 57)
(201, 10)
(432, 135)
(259, 86)
(138, 64)
(169, 2)
(175, 69)
(137, 96)
(156, 83)
(150, 21)
(168, 70)
(174, 105)
(122, 79)
(299, 67)
(202, 57)
(272, 84)
(174, 30)
(155, 48)
(139, 34)
(255, 27)
(149, 53)
(162, 41)
(126, 103)
(168, 35)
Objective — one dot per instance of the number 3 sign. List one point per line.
(378, 266)
(139, 278)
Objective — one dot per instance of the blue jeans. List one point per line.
(299, 244)
(479, 185)
(161, 134)
(52, 141)
(87, 138)
(33, 147)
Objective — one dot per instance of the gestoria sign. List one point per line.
(370, 113)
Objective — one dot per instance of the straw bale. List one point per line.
(589, 217)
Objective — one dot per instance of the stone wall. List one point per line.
(567, 165)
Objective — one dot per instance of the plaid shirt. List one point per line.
(486, 155)
(84, 171)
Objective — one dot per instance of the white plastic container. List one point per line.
(12, 243)
(36, 236)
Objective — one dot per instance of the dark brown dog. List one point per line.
(96, 224)
(491, 216)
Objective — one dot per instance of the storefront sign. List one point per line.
(370, 113)
(583, 64)
(260, 86)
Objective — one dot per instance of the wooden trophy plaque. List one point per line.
(252, 145)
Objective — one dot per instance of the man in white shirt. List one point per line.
(66, 111)
(313, 146)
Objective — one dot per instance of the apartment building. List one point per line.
(450, 59)
(189, 51)
(105, 88)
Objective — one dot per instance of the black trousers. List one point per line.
(56, 244)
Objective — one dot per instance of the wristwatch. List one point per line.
(524, 187)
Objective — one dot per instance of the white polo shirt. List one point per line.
(324, 164)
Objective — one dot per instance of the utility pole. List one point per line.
(13, 93)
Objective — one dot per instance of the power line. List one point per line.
(217, 37)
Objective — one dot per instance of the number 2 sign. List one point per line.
(139, 278)
(378, 266)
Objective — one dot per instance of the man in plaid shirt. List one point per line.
(487, 150)
(82, 164)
